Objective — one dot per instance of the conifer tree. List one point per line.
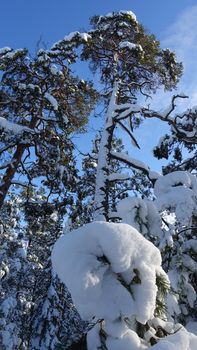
(130, 63)
(168, 223)
(42, 104)
(15, 301)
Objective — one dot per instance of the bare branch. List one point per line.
(129, 133)
(22, 184)
(187, 136)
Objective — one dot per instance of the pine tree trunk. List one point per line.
(101, 201)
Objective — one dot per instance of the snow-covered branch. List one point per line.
(118, 177)
(128, 109)
(14, 128)
(179, 123)
(114, 277)
(135, 163)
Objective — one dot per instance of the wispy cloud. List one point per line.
(181, 37)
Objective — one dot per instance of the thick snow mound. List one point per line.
(182, 340)
(175, 179)
(110, 270)
(98, 260)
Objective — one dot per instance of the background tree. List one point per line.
(42, 104)
(167, 222)
(14, 297)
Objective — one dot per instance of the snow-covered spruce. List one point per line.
(169, 222)
(177, 191)
(110, 270)
(177, 202)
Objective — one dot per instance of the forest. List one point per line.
(98, 250)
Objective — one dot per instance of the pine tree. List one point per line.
(42, 104)
(121, 93)
(130, 63)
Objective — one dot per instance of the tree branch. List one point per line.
(129, 133)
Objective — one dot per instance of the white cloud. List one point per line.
(182, 34)
(181, 37)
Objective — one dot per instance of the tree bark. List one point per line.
(101, 200)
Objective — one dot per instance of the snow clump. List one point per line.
(110, 270)
(177, 192)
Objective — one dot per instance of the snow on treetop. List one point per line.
(68, 38)
(4, 50)
(83, 36)
(99, 255)
(130, 45)
(129, 13)
(10, 53)
(112, 14)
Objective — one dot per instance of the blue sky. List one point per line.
(174, 22)
(24, 21)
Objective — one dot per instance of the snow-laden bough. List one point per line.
(110, 270)
(97, 261)
(177, 191)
